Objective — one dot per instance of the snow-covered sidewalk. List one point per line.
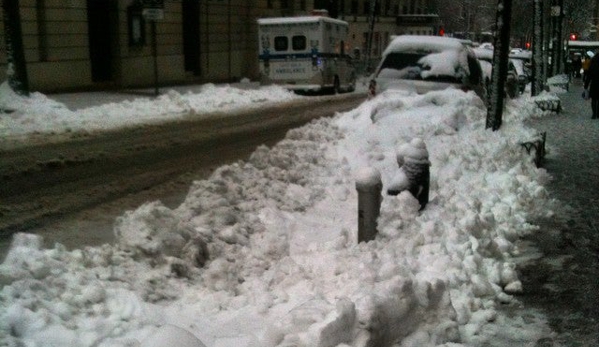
(264, 252)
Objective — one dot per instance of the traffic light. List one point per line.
(441, 31)
(527, 45)
(573, 36)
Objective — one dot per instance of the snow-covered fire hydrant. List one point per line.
(414, 171)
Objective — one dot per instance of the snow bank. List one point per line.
(264, 252)
(40, 114)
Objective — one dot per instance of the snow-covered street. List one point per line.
(265, 252)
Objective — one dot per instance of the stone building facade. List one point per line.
(104, 44)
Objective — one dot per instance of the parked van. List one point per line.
(307, 54)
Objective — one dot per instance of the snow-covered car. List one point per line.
(424, 63)
(523, 75)
(523, 62)
(512, 82)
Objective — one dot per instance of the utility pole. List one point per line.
(500, 64)
(15, 55)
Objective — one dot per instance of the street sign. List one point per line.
(159, 4)
(153, 13)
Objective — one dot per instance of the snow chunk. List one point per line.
(367, 177)
(170, 335)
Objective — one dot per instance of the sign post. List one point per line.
(153, 10)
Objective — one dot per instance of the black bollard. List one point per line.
(369, 187)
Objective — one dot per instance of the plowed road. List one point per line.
(71, 190)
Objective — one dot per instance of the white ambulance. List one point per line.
(307, 54)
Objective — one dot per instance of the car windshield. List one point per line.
(437, 67)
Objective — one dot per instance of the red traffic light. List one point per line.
(441, 31)
(527, 45)
(573, 36)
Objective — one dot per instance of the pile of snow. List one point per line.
(264, 252)
(40, 114)
(558, 83)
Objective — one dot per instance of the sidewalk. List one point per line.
(564, 282)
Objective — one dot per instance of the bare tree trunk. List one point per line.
(554, 37)
(500, 64)
(560, 35)
(371, 20)
(537, 54)
(15, 56)
(546, 40)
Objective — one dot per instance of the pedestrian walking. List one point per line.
(576, 65)
(591, 85)
(586, 63)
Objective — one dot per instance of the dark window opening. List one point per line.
(354, 7)
(100, 25)
(281, 43)
(191, 35)
(298, 43)
(137, 26)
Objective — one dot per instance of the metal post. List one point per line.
(369, 187)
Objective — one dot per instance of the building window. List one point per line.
(137, 26)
